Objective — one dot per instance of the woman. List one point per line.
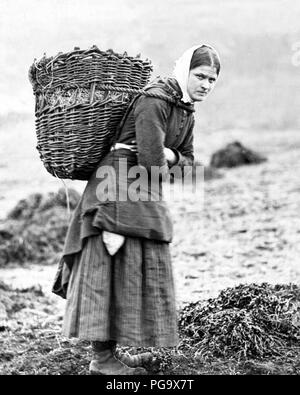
(116, 271)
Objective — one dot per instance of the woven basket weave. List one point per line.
(81, 97)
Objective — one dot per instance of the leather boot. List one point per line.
(144, 359)
(105, 363)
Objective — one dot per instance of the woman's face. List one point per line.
(201, 81)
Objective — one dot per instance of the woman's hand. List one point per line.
(170, 156)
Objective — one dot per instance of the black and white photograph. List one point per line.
(149, 190)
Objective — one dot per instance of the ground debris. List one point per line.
(32, 344)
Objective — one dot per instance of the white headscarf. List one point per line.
(182, 69)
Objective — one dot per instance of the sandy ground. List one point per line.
(239, 229)
(249, 225)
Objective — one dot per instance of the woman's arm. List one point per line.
(151, 117)
(185, 152)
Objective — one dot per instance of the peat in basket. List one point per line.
(81, 97)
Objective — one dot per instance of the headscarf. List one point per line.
(182, 69)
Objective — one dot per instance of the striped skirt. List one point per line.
(128, 297)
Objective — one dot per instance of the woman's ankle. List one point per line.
(99, 346)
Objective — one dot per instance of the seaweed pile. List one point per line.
(248, 321)
(13, 301)
(235, 154)
(36, 227)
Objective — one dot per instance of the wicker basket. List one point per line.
(81, 97)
